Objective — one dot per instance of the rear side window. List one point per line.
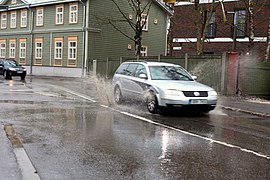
(140, 70)
(131, 69)
(122, 69)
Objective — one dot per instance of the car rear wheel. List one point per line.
(118, 98)
(152, 104)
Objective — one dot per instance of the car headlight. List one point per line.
(172, 92)
(12, 69)
(212, 93)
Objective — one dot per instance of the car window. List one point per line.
(140, 70)
(131, 69)
(11, 63)
(121, 69)
(169, 73)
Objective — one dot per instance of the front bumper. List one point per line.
(182, 101)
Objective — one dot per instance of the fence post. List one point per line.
(223, 73)
(94, 67)
(186, 61)
(159, 58)
(107, 68)
(121, 60)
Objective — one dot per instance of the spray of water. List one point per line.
(104, 90)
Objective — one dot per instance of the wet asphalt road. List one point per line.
(71, 129)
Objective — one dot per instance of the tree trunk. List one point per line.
(198, 24)
(267, 54)
(251, 26)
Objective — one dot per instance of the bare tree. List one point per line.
(140, 9)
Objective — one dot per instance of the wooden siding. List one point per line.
(48, 32)
(110, 43)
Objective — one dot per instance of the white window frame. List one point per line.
(12, 49)
(13, 19)
(144, 19)
(38, 50)
(40, 16)
(22, 50)
(72, 50)
(58, 50)
(73, 14)
(2, 50)
(3, 21)
(24, 18)
(59, 16)
(144, 51)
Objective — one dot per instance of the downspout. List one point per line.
(87, 35)
(31, 27)
(84, 38)
(51, 41)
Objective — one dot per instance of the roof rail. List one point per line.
(137, 61)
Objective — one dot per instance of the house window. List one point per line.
(73, 13)
(22, 49)
(59, 18)
(3, 21)
(3, 49)
(144, 22)
(39, 20)
(13, 19)
(72, 51)
(23, 18)
(58, 51)
(211, 28)
(240, 23)
(13, 1)
(144, 51)
(38, 51)
(12, 49)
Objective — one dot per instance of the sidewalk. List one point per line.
(253, 106)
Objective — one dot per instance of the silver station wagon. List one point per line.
(162, 86)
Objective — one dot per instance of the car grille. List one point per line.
(195, 93)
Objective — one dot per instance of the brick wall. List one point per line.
(184, 28)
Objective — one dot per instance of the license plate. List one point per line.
(19, 72)
(197, 101)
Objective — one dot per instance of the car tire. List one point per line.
(118, 98)
(23, 77)
(6, 76)
(152, 103)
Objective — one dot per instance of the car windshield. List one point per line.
(11, 63)
(169, 73)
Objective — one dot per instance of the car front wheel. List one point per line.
(152, 104)
(6, 75)
(117, 95)
(23, 77)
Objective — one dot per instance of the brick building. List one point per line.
(220, 34)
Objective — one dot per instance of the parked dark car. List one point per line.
(10, 67)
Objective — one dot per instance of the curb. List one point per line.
(27, 168)
(265, 115)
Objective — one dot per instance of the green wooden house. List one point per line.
(60, 37)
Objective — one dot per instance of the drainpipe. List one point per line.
(31, 27)
(84, 37)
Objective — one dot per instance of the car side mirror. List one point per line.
(143, 76)
(194, 78)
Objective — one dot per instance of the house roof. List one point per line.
(46, 2)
